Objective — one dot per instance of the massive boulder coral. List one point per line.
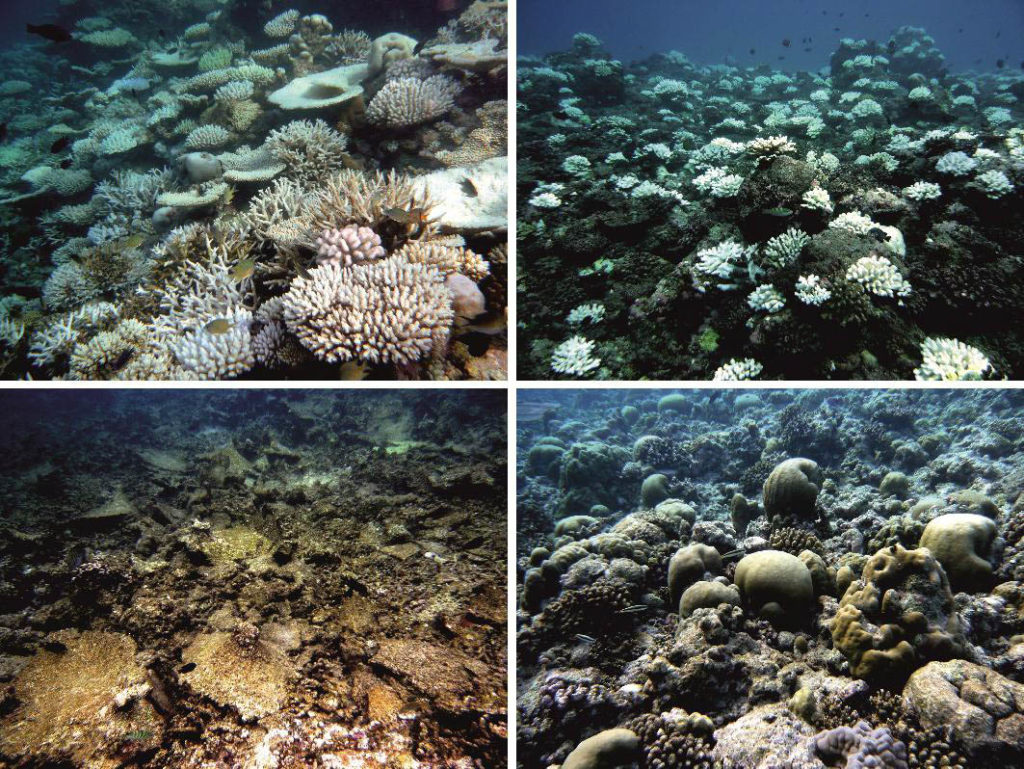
(962, 542)
(897, 616)
(776, 585)
(791, 490)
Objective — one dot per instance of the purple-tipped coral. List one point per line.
(349, 245)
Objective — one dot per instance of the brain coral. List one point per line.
(897, 616)
(381, 312)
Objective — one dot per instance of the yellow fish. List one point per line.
(218, 326)
(353, 372)
(244, 269)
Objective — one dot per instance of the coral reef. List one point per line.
(209, 149)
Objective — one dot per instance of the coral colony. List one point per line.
(754, 579)
(308, 202)
(731, 223)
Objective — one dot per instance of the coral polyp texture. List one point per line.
(770, 578)
(823, 224)
(253, 143)
(297, 578)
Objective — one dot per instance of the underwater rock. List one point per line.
(984, 709)
(450, 678)
(762, 738)
(110, 513)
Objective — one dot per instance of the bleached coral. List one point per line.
(738, 370)
(311, 150)
(995, 184)
(767, 148)
(853, 221)
(817, 199)
(349, 245)
(766, 298)
(879, 276)
(922, 191)
(784, 249)
(406, 102)
(574, 357)
(719, 183)
(810, 290)
(236, 90)
(207, 137)
(950, 360)
(379, 312)
(68, 286)
(447, 258)
(592, 312)
(956, 164)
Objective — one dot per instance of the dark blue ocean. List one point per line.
(972, 35)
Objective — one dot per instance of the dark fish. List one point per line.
(808, 49)
(782, 58)
(1000, 63)
(753, 51)
(835, 29)
(61, 144)
(66, 163)
(787, 42)
(161, 33)
(998, 35)
(891, 47)
(977, 61)
(1022, 65)
(961, 30)
(3, 132)
(842, 14)
(878, 235)
(49, 31)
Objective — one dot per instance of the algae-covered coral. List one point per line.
(249, 579)
(178, 180)
(824, 578)
(680, 220)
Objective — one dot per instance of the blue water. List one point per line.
(972, 35)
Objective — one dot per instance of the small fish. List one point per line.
(60, 145)
(999, 35)
(587, 639)
(786, 43)
(353, 372)
(753, 51)
(218, 326)
(161, 34)
(732, 554)
(66, 163)
(634, 609)
(3, 132)
(780, 211)
(491, 327)
(415, 216)
(835, 29)
(879, 235)
(50, 31)
(1000, 63)
(244, 269)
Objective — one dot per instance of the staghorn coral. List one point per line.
(447, 258)
(382, 312)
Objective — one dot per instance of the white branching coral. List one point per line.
(853, 221)
(738, 370)
(950, 360)
(349, 245)
(720, 261)
(310, 149)
(784, 249)
(282, 25)
(810, 290)
(204, 322)
(766, 298)
(919, 191)
(718, 183)
(995, 184)
(207, 137)
(591, 312)
(817, 199)
(879, 276)
(956, 164)
(409, 101)
(574, 357)
(387, 311)
(767, 148)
